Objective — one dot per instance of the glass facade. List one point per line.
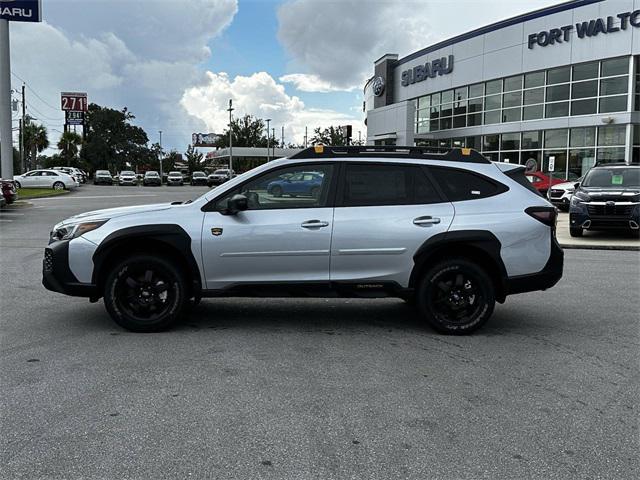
(582, 89)
(574, 150)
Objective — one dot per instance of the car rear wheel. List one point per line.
(17, 184)
(277, 191)
(575, 231)
(456, 296)
(144, 293)
(58, 186)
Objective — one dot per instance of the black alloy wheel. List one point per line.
(276, 191)
(145, 293)
(456, 296)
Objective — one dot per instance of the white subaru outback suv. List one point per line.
(449, 232)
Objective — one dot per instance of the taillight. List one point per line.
(546, 215)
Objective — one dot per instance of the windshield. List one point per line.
(175, 174)
(198, 174)
(151, 174)
(220, 172)
(612, 178)
(127, 172)
(102, 172)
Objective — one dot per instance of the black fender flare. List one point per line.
(481, 245)
(169, 235)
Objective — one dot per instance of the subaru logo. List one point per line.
(378, 86)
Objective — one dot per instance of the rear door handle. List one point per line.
(426, 220)
(314, 224)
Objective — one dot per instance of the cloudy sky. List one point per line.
(176, 63)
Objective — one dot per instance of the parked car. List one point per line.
(127, 177)
(102, 177)
(175, 178)
(76, 173)
(561, 193)
(218, 177)
(9, 192)
(542, 182)
(303, 183)
(55, 179)
(198, 178)
(401, 223)
(608, 198)
(151, 178)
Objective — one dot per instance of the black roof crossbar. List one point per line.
(467, 155)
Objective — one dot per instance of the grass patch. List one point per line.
(26, 193)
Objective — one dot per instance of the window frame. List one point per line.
(211, 205)
(339, 203)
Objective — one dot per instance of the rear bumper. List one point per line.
(58, 277)
(545, 278)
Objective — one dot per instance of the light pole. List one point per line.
(160, 158)
(268, 156)
(6, 138)
(230, 109)
(274, 142)
(306, 136)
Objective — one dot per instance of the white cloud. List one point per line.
(142, 55)
(259, 95)
(311, 83)
(337, 42)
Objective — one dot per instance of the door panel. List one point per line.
(378, 242)
(258, 246)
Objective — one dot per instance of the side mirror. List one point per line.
(576, 185)
(236, 204)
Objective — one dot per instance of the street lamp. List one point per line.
(268, 156)
(230, 109)
(160, 159)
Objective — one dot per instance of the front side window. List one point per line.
(369, 185)
(300, 186)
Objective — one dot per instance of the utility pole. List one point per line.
(306, 136)
(6, 137)
(282, 136)
(22, 127)
(160, 159)
(273, 130)
(268, 156)
(230, 109)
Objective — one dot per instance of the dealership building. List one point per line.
(557, 88)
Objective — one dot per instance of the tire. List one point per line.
(276, 191)
(315, 192)
(575, 231)
(17, 184)
(456, 296)
(140, 286)
(58, 186)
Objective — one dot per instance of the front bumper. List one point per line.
(545, 278)
(617, 219)
(58, 277)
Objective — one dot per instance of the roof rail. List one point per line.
(467, 155)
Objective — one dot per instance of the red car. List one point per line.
(9, 191)
(542, 182)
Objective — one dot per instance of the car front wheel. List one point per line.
(575, 231)
(145, 293)
(456, 296)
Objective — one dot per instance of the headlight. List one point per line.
(74, 230)
(571, 190)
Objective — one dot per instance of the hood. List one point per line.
(564, 185)
(115, 212)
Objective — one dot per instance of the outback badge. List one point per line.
(217, 231)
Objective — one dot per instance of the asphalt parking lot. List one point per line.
(326, 389)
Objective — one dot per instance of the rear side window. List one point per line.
(369, 185)
(459, 185)
(527, 181)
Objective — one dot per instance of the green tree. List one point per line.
(194, 159)
(169, 161)
(247, 131)
(111, 142)
(331, 136)
(68, 145)
(36, 140)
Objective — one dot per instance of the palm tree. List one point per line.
(68, 146)
(35, 141)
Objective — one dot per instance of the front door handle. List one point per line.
(426, 220)
(314, 224)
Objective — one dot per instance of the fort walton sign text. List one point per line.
(589, 28)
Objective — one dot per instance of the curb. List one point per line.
(631, 248)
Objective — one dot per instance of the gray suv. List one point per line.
(450, 233)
